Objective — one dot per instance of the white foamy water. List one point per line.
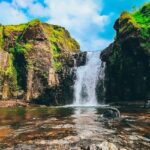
(86, 81)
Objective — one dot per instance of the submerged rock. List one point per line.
(111, 113)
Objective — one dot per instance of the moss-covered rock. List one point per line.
(128, 58)
(8, 75)
(1, 37)
(33, 49)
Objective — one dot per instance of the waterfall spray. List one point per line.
(86, 80)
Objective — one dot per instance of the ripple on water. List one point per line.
(69, 126)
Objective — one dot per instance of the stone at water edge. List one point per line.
(147, 104)
(103, 146)
(111, 113)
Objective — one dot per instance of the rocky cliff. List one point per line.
(127, 74)
(36, 62)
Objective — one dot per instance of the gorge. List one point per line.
(55, 96)
(43, 64)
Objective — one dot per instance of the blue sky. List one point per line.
(90, 22)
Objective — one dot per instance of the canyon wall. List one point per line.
(127, 74)
(36, 63)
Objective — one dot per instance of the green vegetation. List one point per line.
(139, 20)
(127, 23)
(128, 65)
(9, 71)
(34, 22)
(142, 17)
(24, 44)
(23, 49)
(9, 30)
(57, 65)
(1, 37)
(60, 41)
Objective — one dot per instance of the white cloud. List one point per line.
(11, 15)
(94, 43)
(76, 14)
(82, 18)
(22, 3)
(38, 10)
(100, 43)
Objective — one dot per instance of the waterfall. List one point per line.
(86, 80)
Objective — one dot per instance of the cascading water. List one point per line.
(86, 80)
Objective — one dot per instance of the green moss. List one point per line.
(63, 39)
(60, 41)
(10, 69)
(136, 21)
(57, 65)
(1, 37)
(22, 48)
(127, 23)
(34, 22)
(142, 17)
(59, 38)
(10, 29)
(10, 72)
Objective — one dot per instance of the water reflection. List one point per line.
(65, 125)
(86, 124)
(13, 115)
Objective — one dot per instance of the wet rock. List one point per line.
(13, 103)
(24, 147)
(111, 113)
(103, 146)
(147, 104)
(147, 135)
(133, 137)
(80, 58)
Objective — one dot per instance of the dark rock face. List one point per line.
(111, 113)
(62, 93)
(67, 75)
(127, 74)
(80, 58)
(37, 63)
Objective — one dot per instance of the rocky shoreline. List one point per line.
(13, 103)
(23, 103)
(74, 128)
